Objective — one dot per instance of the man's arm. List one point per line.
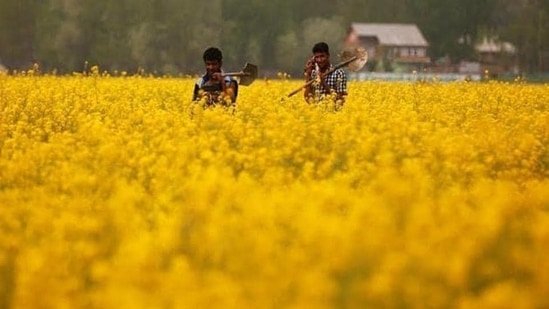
(195, 92)
(230, 88)
(308, 71)
(228, 85)
(234, 92)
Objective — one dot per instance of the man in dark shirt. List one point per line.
(217, 89)
(318, 67)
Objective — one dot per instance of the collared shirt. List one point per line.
(216, 88)
(337, 81)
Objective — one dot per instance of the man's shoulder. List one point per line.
(201, 80)
(339, 71)
(229, 79)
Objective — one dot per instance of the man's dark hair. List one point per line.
(212, 53)
(321, 47)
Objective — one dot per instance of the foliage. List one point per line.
(168, 36)
(118, 192)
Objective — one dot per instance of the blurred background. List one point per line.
(499, 37)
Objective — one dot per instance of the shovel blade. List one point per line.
(249, 74)
(360, 55)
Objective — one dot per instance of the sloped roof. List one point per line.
(391, 34)
(493, 46)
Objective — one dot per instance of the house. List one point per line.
(496, 57)
(390, 47)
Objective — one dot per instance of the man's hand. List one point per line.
(217, 77)
(321, 76)
(309, 66)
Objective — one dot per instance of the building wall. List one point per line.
(383, 58)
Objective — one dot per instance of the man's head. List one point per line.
(321, 47)
(321, 53)
(213, 59)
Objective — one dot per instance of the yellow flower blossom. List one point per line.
(117, 191)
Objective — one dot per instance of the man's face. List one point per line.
(212, 66)
(322, 59)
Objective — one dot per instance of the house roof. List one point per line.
(391, 34)
(493, 46)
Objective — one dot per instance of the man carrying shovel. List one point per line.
(218, 88)
(326, 80)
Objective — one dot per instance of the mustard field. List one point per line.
(119, 192)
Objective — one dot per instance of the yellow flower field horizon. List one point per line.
(119, 192)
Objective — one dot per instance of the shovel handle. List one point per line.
(330, 71)
(299, 89)
(236, 74)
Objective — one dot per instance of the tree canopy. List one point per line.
(168, 36)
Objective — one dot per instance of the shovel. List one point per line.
(355, 59)
(247, 75)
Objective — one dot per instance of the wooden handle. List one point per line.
(236, 74)
(330, 71)
(299, 89)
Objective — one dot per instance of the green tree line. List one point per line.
(168, 36)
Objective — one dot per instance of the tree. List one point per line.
(373, 11)
(525, 23)
(452, 26)
(17, 32)
(329, 30)
(258, 23)
(169, 36)
(287, 53)
(196, 26)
